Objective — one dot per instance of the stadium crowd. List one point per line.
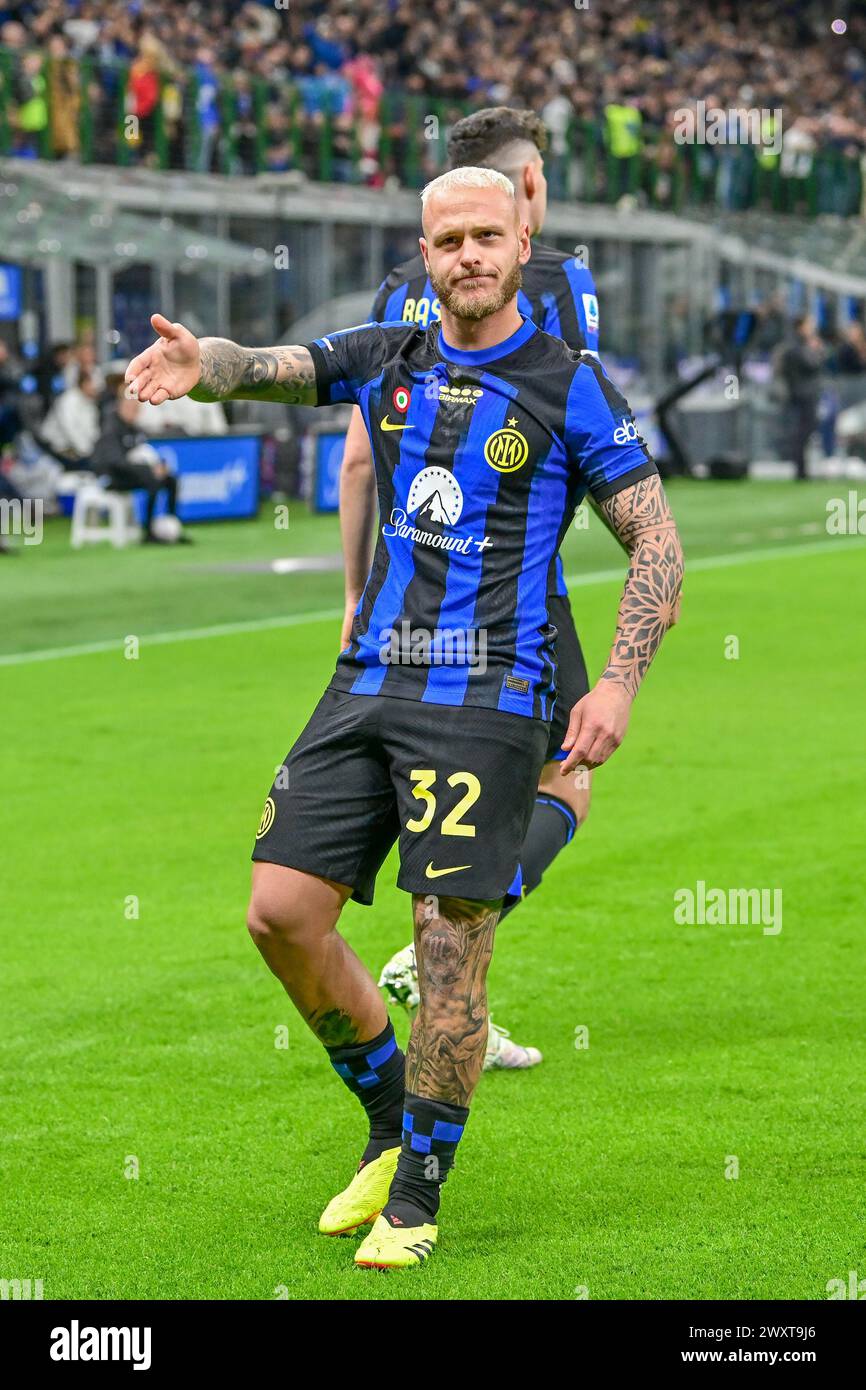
(624, 68)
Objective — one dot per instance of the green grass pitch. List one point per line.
(148, 1044)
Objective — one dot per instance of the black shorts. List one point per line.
(572, 681)
(455, 784)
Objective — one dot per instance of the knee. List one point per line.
(580, 803)
(271, 918)
(575, 790)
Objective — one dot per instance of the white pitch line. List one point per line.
(161, 639)
(574, 581)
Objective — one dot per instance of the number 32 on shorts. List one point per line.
(423, 780)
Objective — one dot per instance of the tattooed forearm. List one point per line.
(453, 945)
(231, 372)
(641, 518)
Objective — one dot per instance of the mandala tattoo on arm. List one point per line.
(453, 946)
(641, 519)
(231, 372)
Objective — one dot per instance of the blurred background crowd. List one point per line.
(68, 418)
(356, 90)
(365, 92)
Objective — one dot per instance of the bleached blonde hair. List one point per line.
(469, 176)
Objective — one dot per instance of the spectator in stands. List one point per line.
(71, 427)
(14, 36)
(143, 94)
(279, 155)
(84, 360)
(207, 108)
(31, 116)
(123, 455)
(799, 363)
(625, 66)
(772, 324)
(63, 98)
(622, 136)
(10, 385)
(243, 131)
(53, 373)
(850, 356)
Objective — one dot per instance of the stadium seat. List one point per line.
(99, 515)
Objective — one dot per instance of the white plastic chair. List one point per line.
(98, 515)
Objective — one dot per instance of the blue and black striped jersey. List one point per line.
(481, 458)
(558, 294)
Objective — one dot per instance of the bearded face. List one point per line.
(475, 293)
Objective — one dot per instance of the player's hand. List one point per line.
(168, 369)
(597, 726)
(348, 620)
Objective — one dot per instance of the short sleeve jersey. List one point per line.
(481, 458)
(558, 294)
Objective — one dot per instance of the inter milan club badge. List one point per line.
(401, 398)
(507, 449)
(269, 815)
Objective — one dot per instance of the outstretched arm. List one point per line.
(233, 373)
(216, 369)
(641, 519)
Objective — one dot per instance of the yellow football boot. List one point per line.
(395, 1247)
(363, 1199)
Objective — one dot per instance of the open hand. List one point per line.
(168, 369)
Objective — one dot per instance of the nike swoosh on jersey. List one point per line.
(386, 425)
(437, 873)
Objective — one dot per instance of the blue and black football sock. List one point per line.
(375, 1072)
(552, 825)
(431, 1133)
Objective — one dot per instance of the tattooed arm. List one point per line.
(641, 519)
(215, 369)
(233, 373)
